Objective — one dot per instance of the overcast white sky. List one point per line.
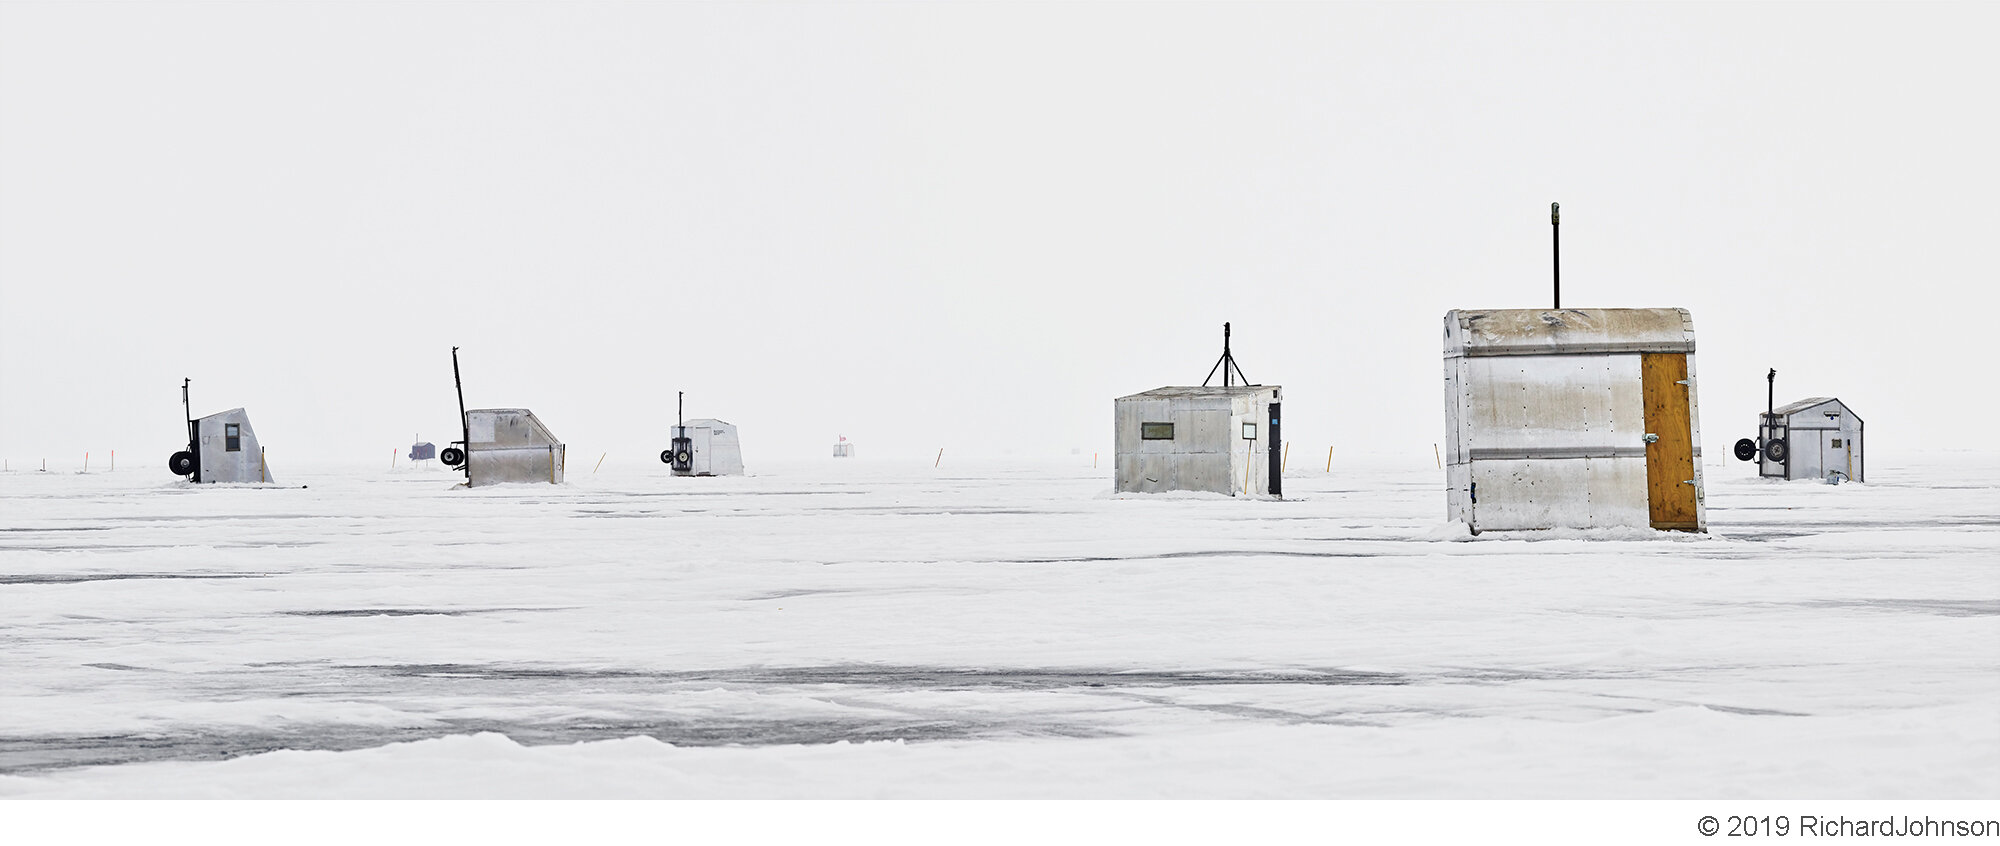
(964, 226)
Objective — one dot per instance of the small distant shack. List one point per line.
(227, 451)
(1572, 418)
(1821, 436)
(1211, 439)
(424, 451)
(510, 445)
(843, 448)
(706, 447)
(222, 448)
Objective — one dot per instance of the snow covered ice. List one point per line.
(855, 629)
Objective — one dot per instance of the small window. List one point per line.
(1156, 431)
(1836, 443)
(1249, 431)
(232, 437)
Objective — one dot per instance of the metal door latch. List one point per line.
(1687, 382)
(1688, 482)
(1651, 438)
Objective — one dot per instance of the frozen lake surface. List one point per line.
(848, 629)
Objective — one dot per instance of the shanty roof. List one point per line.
(1522, 331)
(1810, 402)
(1196, 391)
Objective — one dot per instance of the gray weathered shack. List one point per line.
(1219, 440)
(1821, 436)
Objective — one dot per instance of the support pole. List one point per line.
(1555, 229)
(464, 425)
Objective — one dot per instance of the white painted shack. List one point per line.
(225, 451)
(1822, 436)
(1220, 440)
(705, 447)
(510, 445)
(1577, 418)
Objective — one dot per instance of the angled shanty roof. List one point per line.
(1801, 405)
(1197, 391)
(1570, 331)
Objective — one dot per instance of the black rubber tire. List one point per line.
(666, 456)
(182, 463)
(452, 456)
(683, 458)
(1746, 450)
(1775, 450)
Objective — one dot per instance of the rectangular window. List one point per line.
(1249, 431)
(1836, 443)
(1156, 431)
(232, 437)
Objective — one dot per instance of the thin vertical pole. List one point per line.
(940, 459)
(464, 425)
(1555, 229)
(1329, 459)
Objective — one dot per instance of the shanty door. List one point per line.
(1670, 490)
(1277, 456)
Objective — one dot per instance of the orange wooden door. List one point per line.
(1670, 490)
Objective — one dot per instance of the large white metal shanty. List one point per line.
(1572, 418)
(713, 449)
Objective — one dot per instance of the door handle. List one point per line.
(1687, 382)
(1688, 482)
(1651, 438)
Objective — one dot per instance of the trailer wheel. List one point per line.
(182, 463)
(1776, 450)
(452, 456)
(666, 456)
(1746, 450)
(683, 458)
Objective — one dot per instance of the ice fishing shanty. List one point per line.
(502, 444)
(1813, 438)
(704, 447)
(1214, 439)
(1572, 418)
(222, 448)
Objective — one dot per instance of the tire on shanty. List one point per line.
(666, 456)
(1746, 450)
(1776, 450)
(182, 463)
(452, 456)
